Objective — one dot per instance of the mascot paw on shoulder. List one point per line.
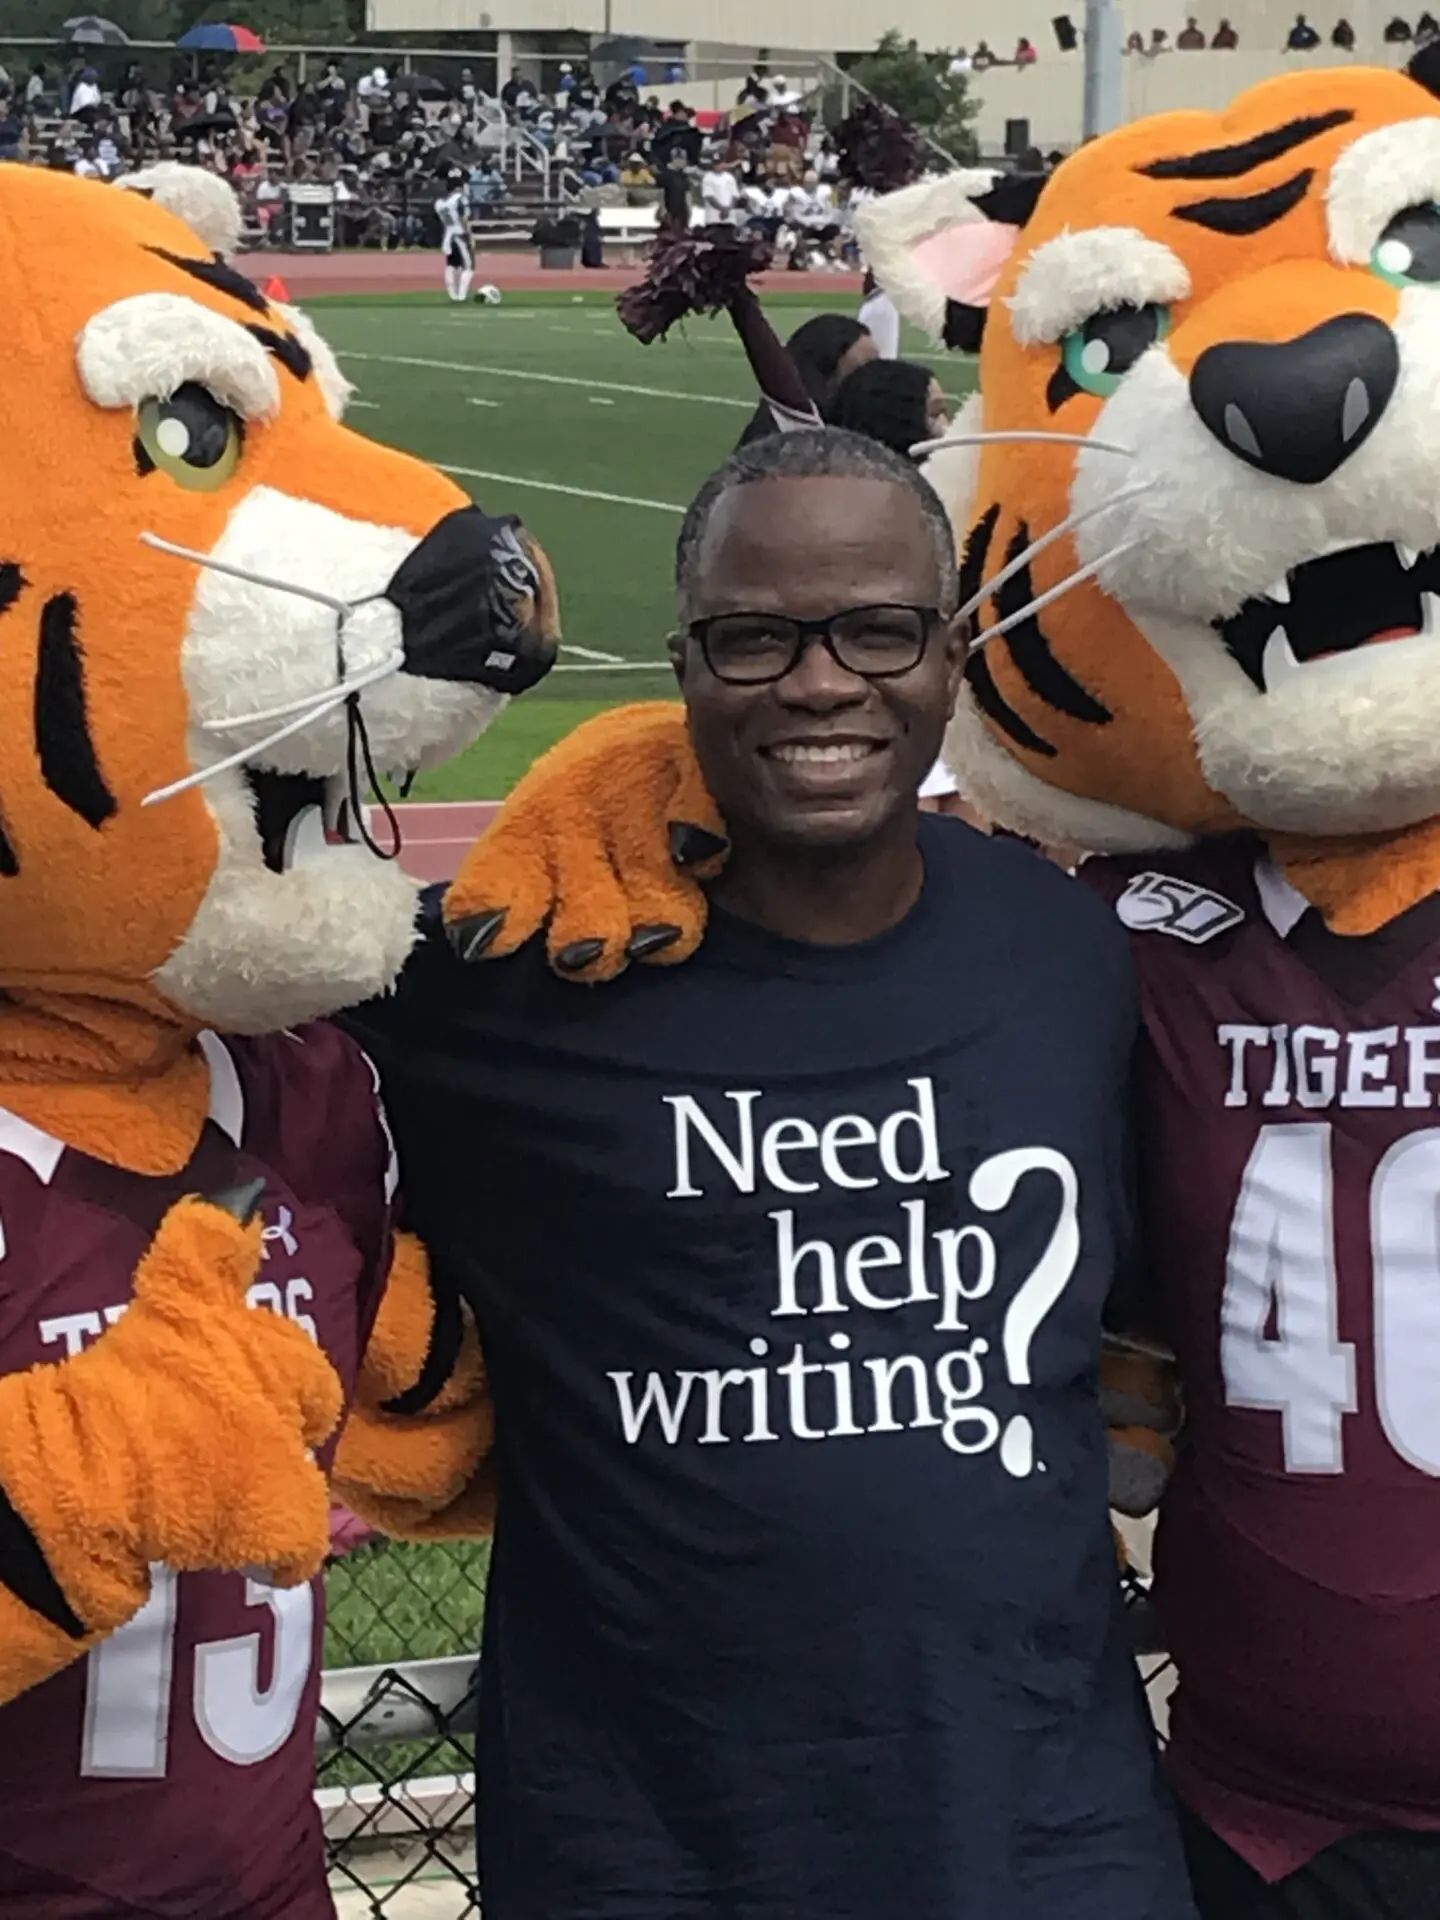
(223, 611)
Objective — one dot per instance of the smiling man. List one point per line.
(790, 1266)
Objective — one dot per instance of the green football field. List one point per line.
(545, 407)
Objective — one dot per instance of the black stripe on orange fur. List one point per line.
(1232, 163)
(11, 582)
(1251, 214)
(27, 1573)
(993, 704)
(1031, 650)
(292, 354)
(62, 720)
(217, 273)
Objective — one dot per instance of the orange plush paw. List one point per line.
(422, 1426)
(603, 845)
(186, 1434)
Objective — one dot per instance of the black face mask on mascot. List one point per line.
(470, 558)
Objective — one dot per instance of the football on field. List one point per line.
(487, 295)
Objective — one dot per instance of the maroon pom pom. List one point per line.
(878, 149)
(704, 271)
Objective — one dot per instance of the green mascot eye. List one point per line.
(1407, 254)
(1098, 355)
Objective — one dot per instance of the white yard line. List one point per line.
(621, 666)
(550, 379)
(554, 486)
(594, 653)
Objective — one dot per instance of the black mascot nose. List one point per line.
(1300, 408)
(469, 602)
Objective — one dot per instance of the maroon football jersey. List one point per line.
(172, 1772)
(1291, 1189)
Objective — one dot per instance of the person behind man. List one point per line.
(790, 1265)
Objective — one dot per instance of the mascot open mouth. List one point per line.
(299, 816)
(1329, 608)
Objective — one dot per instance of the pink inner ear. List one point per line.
(966, 260)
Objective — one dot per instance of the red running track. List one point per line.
(418, 271)
(436, 835)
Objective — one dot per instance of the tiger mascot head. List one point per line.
(1210, 372)
(220, 611)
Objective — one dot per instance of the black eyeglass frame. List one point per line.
(807, 630)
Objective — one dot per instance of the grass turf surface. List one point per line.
(545, 407)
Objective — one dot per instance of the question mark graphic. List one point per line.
(992, 1187)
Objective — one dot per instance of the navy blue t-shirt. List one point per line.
(790, 1265)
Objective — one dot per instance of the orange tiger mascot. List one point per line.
(219, 610)
(1198, 501)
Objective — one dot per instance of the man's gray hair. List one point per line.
(817, 452)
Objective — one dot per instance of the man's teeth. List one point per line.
(1279, 663)
(1407, 556)
(828, 755)
(1280, 592)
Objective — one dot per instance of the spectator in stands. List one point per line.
(1427, 28)
(960, 62)
(1343, 36)
(1159, 41)
(1225, 39)
(518, 93)
(1134, 43)
(1025, 54)
(374, 87)
(36, 87)
(85, 96)
(1302, 37)
(12, 129)
(1397, 32)
(334, 92)
(1191, 39)
(982, 57)
(754, 90)
(720, 192)
(675, 193)
(678, 131)
(636, 172)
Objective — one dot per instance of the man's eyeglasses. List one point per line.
(877, 643)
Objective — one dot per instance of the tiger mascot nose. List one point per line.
(1298, 408)
(477, 604)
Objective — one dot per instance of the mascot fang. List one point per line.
(1198, 504)
(222, 610)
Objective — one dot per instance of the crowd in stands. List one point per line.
(381, 144)
(1303, 37)
(768, 164)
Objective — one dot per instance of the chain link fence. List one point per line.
(395, 1746)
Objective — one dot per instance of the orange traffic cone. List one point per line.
(276, 289)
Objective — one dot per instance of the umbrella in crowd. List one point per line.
(215, 36)
(89, 30)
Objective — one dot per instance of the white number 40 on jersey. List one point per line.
(1280, 1348)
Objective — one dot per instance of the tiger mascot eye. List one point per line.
(221, 612)
(1197, 506)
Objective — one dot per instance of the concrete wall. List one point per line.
(1050, 94)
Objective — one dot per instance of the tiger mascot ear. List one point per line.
(938, 248)
(205, 202)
